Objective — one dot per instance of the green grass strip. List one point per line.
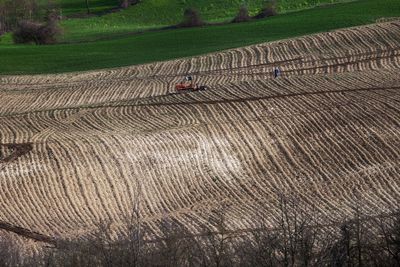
(170, 44)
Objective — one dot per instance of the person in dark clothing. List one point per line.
(277, 72)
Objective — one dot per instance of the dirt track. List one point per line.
(327, 131)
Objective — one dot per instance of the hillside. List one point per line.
(170, 44)
(107, 20)
(161, 13)
(80, 148)
(76, 7)
(170, 8)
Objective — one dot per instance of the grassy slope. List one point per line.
(159, 13)
(163, 45)
(149, 14)
(152, 14)
(70, 7)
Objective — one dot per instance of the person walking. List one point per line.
(277, 72)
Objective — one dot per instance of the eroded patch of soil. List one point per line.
(14, 151)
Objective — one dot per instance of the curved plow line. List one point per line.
(249, 99)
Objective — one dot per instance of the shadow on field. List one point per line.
(16, 151)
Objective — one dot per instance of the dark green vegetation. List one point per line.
(160, 13)
(212, 9)
(169, 44)
(149, 14)
(73, 7)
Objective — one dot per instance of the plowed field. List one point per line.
(75, 148)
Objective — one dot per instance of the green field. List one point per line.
(209, 7)
(70, 7)
(160, 13)
(152, 14)
(169, 44)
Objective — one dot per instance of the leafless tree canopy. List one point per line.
(13, 11)
(38, 33)
(243, 15)
(192, 18)
(268, 10)
(298, 239)
(29, 21)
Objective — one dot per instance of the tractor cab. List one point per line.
(186, 84)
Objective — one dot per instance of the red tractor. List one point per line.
(189, 85)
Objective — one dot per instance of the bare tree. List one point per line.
(192, 18)
(218, 239)
(297, 236)
(13, 11)
(357, 241)
(269, 9)
(260, 248)
(87, 7)
(389, 230)
(134, 238)
(127, 3)
(124, 3)
(243, 15)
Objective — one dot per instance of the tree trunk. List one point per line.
(87, 6)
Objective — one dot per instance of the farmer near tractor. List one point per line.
(188, 84)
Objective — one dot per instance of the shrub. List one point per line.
(49, 33)
(243, 15)
(127, 3)
(26, 32)
(38, 33)
(124, 3)
(192, 18)
(268, 10)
